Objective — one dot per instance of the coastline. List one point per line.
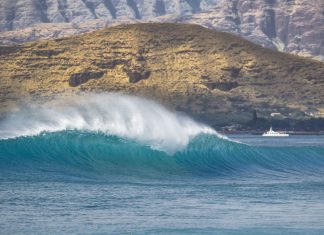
(295, 133)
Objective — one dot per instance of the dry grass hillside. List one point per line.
(216, 77)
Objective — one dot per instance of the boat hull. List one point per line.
(275, 135)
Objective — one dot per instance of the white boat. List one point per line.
(272, 133)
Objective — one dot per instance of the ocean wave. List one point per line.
(85, 153)
(122, 135)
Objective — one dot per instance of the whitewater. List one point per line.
(114, 164)
(112, 114)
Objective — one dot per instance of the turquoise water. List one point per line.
(61, 175)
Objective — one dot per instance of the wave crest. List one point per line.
(112, 114)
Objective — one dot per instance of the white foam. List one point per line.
(113, 114)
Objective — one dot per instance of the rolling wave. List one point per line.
(113, 134)
(89, 153)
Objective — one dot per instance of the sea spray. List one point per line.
(113, 114)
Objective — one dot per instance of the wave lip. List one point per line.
(112, 114)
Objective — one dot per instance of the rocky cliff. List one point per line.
(216, 77)
(294, 26)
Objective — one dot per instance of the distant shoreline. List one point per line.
(260, 133)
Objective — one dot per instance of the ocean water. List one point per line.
(115, 164)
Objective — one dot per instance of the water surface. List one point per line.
(107, 168)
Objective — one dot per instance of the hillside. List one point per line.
(215, 77)
(291, 26)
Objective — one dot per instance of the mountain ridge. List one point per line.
(292, 26)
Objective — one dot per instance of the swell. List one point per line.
(89, 153)
(114, 134)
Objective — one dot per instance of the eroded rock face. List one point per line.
(77, 79)
(215, 77)
(294, 26)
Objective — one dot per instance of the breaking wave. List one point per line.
(113, 134)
